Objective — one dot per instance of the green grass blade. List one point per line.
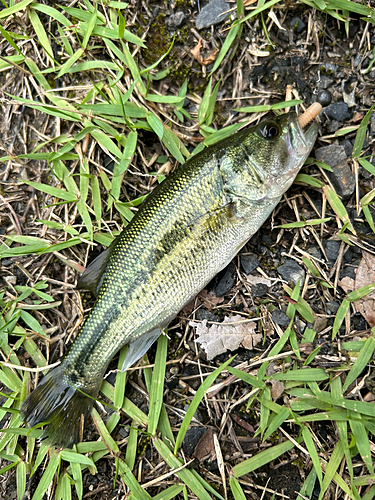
(103, 431)
(119, 392)
(246, 377)
(308, 486)
(360, 363)
(69, 63)
(155, 124)
(129, 149)
(40, 33)
(157, 384)
(21, 480)
(174, 145)
(169, 493)
(340, 316)
(90, 27)
(77, 476)
(275, 423)
(362, 442)
(360, 292)
(203, 388)
(51, 12)
(131, 448)
(237, 491)
(184, 474)
(53, 191)
(15, 8)
(226, 45)
(262, 458)
(313, 453)
(331, 468)
(302, 375)
(338, 207)
(47, 477)
(64, 488)
(131, 482)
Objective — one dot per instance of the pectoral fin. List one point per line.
(138, 348)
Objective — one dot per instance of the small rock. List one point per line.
(291, 271)
(280, 318)
(266, 239)
(349, 272)
(362, 171)
(202, 314)
(124, 432)
(191, 439)
(212, 13)
(259, 290)
(325, 82)
(372, 124)
(297, 24)
(175, 20)
(332, 307)
(333, 126)
(357, 60)
(341, 177)
(348, 93)
(12, 280)
(337, 111)
(329, 68)
(348, 145)
(332, 250)
(227, 281)
(315, 252)
(249, 263)
(300, 325)
(324, 98)
(348, 256)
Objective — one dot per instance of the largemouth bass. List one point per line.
(189, 228)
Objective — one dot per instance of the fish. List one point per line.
(189, 228)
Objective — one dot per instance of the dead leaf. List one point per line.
(365, 275)
(277, 389)
(254, 280)
(243, 423)
(347, 284)
(357, 117)
(197, 50)
(228, 335)
(206, 299)
(198, 56)
(254, 50)
(210, 299)
(205, 449)
(320, 323)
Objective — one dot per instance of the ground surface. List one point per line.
(319, 58)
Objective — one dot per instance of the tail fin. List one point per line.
(62, 406)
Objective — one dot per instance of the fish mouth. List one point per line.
(298, 142)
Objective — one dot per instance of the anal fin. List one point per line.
(138, 348)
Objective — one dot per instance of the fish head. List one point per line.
(275, 150)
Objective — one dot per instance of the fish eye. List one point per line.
(269, 130)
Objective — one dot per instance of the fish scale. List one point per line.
(189, 228)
